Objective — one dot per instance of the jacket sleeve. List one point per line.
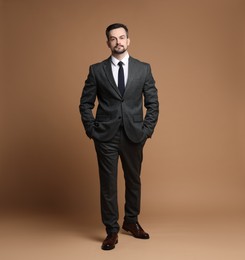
(151, 103)
(87, 103)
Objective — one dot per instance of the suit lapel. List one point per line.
(109, 75)
(132, 71)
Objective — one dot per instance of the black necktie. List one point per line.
(121, 85)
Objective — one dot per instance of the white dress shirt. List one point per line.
(115, 68)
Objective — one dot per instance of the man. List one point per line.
(119, 129)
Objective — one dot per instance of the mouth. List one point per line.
(119, 49)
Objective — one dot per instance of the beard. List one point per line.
(119, 51)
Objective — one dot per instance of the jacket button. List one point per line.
(119, 117)
(122, 100)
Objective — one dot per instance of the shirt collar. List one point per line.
(124, 60)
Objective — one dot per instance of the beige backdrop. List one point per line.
(195, 162)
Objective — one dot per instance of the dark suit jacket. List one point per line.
(115, 110)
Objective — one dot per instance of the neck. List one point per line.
(119, 56)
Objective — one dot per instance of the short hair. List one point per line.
(115, 26)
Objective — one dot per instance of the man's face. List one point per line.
(118, 41)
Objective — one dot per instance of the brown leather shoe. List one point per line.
(110, 241)
(136, 230)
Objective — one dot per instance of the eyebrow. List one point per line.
(123, 35)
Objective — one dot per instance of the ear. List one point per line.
(108, 44)
(128, 41)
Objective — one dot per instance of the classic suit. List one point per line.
(119, 129)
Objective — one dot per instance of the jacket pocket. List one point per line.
(103, 118)
(138, 118)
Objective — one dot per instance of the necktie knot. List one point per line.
(120, 63)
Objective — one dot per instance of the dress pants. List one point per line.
(131, 155)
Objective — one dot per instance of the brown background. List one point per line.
(195, 162)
